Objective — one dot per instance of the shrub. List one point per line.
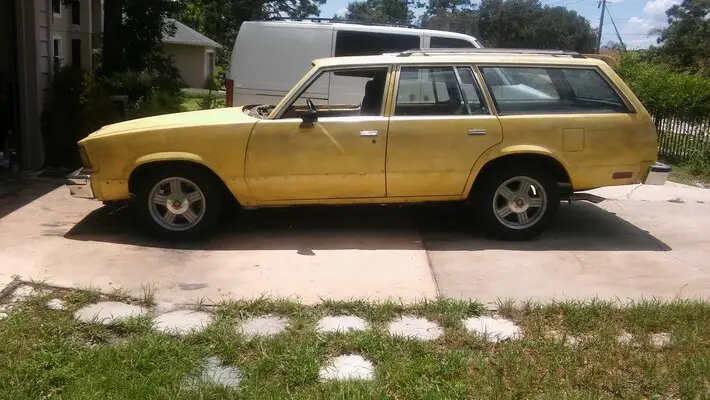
(79, 105)
(157, 103)
(664, 91)
(698, 161)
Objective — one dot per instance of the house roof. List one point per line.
(186, 35)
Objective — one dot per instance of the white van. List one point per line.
(269, 57)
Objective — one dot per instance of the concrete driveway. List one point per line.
(637, 244)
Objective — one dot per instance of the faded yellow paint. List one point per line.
(272, 162)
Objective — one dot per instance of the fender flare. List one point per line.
(497, 152)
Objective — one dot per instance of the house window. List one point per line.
(76, 13)
(57, 7)
(76, 53)
(354, 43)
(57, 53)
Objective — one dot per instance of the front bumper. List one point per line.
(658, 174)
(79, 183)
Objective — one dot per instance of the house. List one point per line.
(193, 53)
(39, 36)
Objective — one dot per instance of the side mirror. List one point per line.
(309, 116)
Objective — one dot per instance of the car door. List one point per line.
(341, 155)
(439, 127)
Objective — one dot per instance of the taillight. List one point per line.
(230, 92)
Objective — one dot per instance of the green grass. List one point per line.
(48, 354)
(682, 174)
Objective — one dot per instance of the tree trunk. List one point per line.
(113, 58)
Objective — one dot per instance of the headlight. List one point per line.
(84, 157)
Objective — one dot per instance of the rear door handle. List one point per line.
(368, 133)
(476, 132)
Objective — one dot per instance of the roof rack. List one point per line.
(340, 21)
(490, 50)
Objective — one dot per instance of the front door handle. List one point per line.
(476, 132)
(368, 133)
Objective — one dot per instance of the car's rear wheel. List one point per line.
(178, 203)
(517, 202)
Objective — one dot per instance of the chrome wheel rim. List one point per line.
(176, 204)
(519, 202)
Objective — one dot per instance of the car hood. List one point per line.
(222, 116)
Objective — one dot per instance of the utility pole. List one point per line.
(602, 4)
(618, 35)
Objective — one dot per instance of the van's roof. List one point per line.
(480, 56)
(323, 23)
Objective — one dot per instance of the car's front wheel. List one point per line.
(178, 203)
(517, 202)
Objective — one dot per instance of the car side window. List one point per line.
(550, 90)
(450, 43)
(343, 93)
(471, 92)
(429, 91)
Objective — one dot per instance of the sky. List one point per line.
(634, 18)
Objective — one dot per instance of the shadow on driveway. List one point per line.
(580, 226)
(16, 192)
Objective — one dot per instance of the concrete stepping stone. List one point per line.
(625, 338)
(347, 367)
(217, 374)
(415, 328)
(3, 315)
(109, 312)
(557, 336)
(24, 292)
(56, 304)
(266, 325)
(493, 329)
(660, 340)
(182, 322)
(341, 323)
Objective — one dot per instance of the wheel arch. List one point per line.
(181, 160)
(519, 155)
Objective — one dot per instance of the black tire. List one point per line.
(536, 224)
(212, 201)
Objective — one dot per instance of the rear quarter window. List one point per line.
(531, 90)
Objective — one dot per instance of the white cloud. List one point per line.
(342, 11)
(656, 9)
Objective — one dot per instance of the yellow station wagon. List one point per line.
(511, 132)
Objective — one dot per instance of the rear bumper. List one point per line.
(658, 174)
(79, 184)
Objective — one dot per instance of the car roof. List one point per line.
(464, 57)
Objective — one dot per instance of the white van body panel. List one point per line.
(270, 57)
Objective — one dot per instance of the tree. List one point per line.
(395, 12)
(516, 24)
(685, 43)
(133, 32)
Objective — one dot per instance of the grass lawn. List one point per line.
(47, 354)
(681, 174)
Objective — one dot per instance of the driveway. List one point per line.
(637, 244)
